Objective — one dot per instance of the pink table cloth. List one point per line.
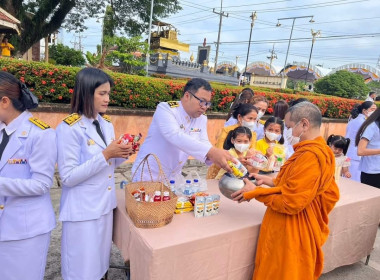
(223, 246)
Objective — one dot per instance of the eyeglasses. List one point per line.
(202, 103)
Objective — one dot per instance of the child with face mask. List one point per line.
(238, 143)
(272, 143)
(339, 146)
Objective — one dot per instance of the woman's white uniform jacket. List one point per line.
(88, 184)
(26, 176)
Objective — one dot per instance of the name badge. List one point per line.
(17, 161)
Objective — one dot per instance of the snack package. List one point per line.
(208, 206)
(258, 161)
(126, 138)
(183, 205)
(199, 206)
(238, 169)
(215, 204)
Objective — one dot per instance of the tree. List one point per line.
(65, 55)
(343, 84)
(39, 18)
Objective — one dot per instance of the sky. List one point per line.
(350, 31)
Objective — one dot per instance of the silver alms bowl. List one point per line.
(228, 185)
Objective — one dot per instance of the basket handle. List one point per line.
(144, 162)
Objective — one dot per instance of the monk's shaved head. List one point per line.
(306, 110)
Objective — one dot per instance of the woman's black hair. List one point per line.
(233, 134)
(86, 81)
(21, 97)
(358, 109)
(275, 120)
(375, 117)
(244, 109)
(280, 109)
(244, 97)
(339, 142)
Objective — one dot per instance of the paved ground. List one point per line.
(53, 272)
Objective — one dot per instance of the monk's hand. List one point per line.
(263, 179)
(238, 195)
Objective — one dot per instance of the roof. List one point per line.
(8, 23)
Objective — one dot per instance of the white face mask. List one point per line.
(369, 113)
(250, 125)
(292, 140)
(272, 136)
(241, 147)
(260, 114)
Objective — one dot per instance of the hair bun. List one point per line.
(28, 99)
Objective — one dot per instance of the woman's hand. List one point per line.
(347, 174)
(116, 150)
(238, 195)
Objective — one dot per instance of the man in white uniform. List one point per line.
(179, 130)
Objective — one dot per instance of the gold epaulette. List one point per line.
(262, 121)
(173, 104)
(39, 123)
(71, 119)
(107, 118)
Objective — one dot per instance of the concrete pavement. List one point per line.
(53, 271)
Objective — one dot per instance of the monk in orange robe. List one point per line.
(295, 225)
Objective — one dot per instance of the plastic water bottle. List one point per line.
(172, 186)
(196, 186)
(187, 190)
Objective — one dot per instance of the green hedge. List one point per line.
(52, 83)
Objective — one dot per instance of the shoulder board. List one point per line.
(262, 121)
(39, 123)
(71, 119)
(173, 104)
(107, 118)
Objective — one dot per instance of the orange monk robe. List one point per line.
(294, 227)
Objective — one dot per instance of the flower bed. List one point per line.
(55, 84)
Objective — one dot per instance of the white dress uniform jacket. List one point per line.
(26, 175)
(88, 184)
(173, 136)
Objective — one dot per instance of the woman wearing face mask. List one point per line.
(246, 115)
(244, 97)
(359, 115)
(273, 129)
(261, 103)
(237, 143)
(28, 153)
(368, 142)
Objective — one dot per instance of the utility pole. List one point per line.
(315, 34)
(147, 57)
(237, 57)
(378, 63)
(272, 56)
(253, 17)
(221, 15)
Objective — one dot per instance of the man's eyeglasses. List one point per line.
(202, 103)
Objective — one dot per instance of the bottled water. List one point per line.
(172, 186)
(196, 186)
(187, 190)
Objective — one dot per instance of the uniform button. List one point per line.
(109, 188)
(110, 176)
(1, 207)
(109, 163)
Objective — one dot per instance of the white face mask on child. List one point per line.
(241, 147)
(272, 136)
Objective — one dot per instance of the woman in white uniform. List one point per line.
(28, 154)
(87, 157)
(368, 142)
(359, 115)
(261, 103)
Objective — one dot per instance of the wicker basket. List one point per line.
(149, 214)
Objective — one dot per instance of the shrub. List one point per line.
(52, 83)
